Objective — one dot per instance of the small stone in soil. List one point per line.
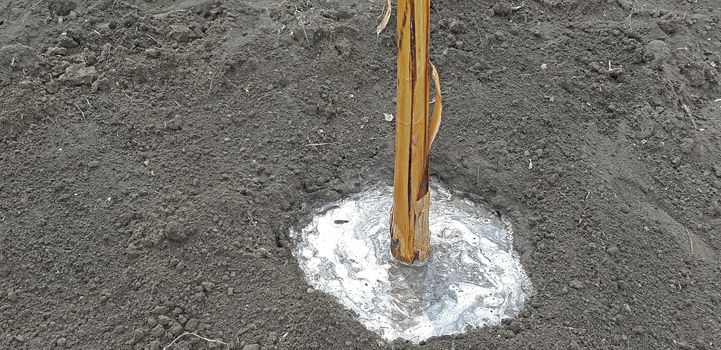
(612, 250)
(67, 42)
(176, 232)
(199, 297)
(157, 332)
(181, 33)
(52, 87)
(208, 286)
(138, 334)
(656, 50)
(58, 69)
(457, 27)
(152, 52)
(164, 320)
(25, 84)
(615, 72)
(160, 310)
(78, 74)
(625, 208)
(687, 145)
(502, 9)
(252, 347)
(575, 284)
(176, 329)
(262, 253)
(57, 51)
(105, 52)
(191, 325)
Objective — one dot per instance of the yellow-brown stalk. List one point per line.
(410, 235)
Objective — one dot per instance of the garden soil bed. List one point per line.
(155, 154)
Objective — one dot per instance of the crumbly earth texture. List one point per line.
(155, 153)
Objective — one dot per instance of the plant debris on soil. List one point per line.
(155, 153)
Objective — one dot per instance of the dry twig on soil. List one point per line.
(81, 111)
(197, 336)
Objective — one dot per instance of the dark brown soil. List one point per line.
(155, 153)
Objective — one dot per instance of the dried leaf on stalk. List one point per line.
(385, 19)
(438, 106)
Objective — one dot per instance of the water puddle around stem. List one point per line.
(473, 278)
